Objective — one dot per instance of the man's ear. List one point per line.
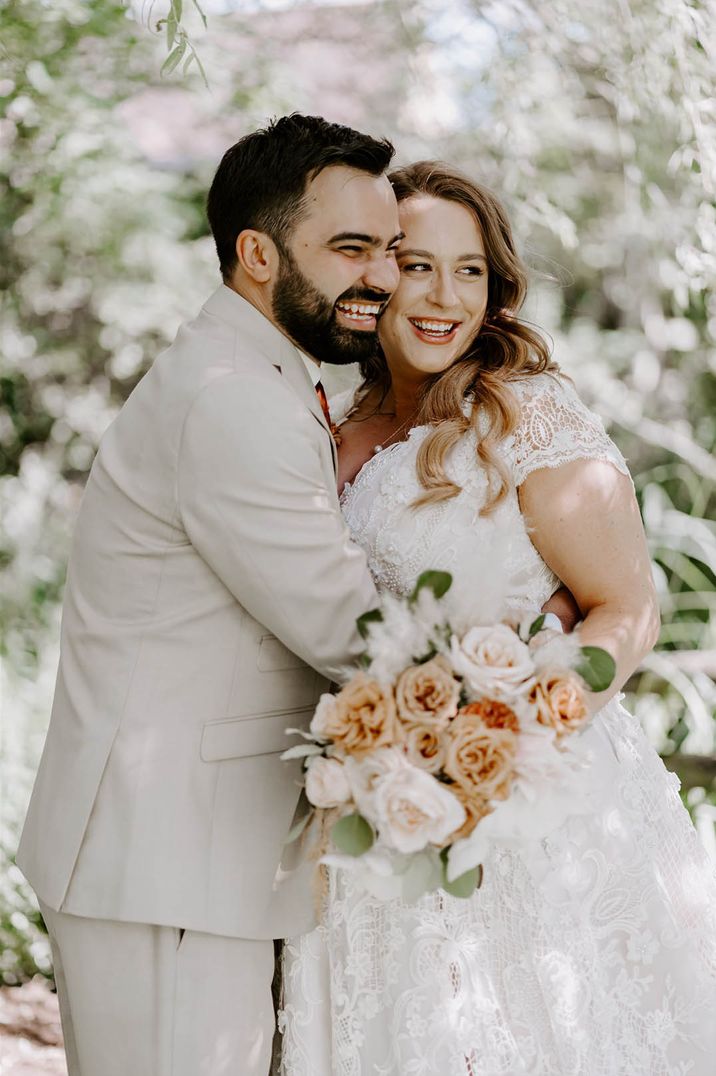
(257, 255)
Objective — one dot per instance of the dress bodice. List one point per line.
(401, 541)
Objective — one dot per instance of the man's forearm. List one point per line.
(563, 605)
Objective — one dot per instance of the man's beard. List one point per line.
(309, 317)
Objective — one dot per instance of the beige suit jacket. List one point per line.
(212, 593)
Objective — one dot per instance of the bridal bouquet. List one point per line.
(445, 743)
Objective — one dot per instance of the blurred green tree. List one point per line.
(98, 259)
(596, 124)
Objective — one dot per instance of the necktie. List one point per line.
(323, 400)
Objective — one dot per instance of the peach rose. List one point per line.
(475, 810)
(327, 783)
(495, 714)
(363, 716)
(560, 701)
(428, 694)
(480, 758)
(425, 747)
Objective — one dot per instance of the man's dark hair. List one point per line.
(262, 180)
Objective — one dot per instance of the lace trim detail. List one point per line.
(557, 428)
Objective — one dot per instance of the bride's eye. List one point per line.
(416, 267)
(472, 270)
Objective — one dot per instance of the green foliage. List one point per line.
(179, 43)
(352, 835)
(297, 829)
(24, 946)
(438, 582)
(363, 622)
(466, 884)
(597, 668)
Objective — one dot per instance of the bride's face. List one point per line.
(441, 299)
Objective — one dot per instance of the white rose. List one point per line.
(326, 783)
(413, 810)
(364, 774)
(323, 716)
(493, 660)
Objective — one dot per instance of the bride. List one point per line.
(594, 955)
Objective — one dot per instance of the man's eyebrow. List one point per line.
(360, 237)
(429, 254)
(356, 237)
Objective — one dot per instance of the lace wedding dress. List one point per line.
(592, 955)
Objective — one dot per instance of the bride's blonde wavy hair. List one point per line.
(505, 348)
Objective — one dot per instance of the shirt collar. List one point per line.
(313, 367)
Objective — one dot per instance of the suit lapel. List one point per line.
(295, 372)
(271, 345)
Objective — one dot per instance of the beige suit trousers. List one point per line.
(143, 1000)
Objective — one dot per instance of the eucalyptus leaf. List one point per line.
(373, 616)
(173, 58)
(597, 668)
(422, 874)
(301, 732)
(536, 625)
(465, 885)
(171, 30)
(200, 65)
(177, 6)
(438, 582)
(302, 750)
(201, 13)
(352, 835)
(427, 656)
(297, 829)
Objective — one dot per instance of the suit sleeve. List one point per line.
(255, 505)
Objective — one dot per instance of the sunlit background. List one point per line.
(594, 121)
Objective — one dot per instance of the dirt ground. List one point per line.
(30, 1034)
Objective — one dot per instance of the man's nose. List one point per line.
(382, 273)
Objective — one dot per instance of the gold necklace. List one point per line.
(394, 434)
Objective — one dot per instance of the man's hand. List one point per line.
(563, 605)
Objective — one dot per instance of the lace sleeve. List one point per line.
(556, 428)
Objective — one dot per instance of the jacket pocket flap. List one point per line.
(241, 737)
(275, 657)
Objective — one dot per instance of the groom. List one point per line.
(212, 594)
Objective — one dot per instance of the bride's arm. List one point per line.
(584, 521)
